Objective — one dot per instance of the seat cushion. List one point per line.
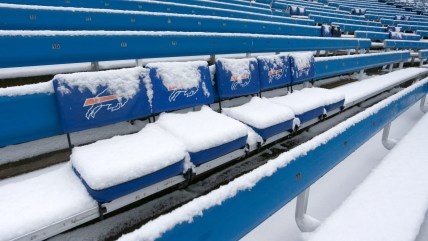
(332, 99)
(265, 117)
(108, 163)
(305, 106)
(203, 130)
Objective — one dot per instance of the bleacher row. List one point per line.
(195, 125)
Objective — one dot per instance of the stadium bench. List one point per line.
(353, 27)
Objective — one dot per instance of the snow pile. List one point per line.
(201, 130)
(358, 91)
(123, 83)
(179, 75)
(396, 35)
(326, 29)
(38, 199)
(300, 101)
(239, 68)
(302, 61)
(329, 96)
(186, 213)
(212, 73)
(391, 202)
(260, 113)
(120, 159)
(39, 88)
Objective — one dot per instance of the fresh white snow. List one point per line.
(39, 88)
(391, 202)
(330, 96)
(201, 130)
(32, 201)
(110, 162)
(196, 207)
(260, 113)
(124, 83)
(239, 68)
(300, 101)
(357, 91)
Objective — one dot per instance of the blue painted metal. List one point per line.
(329, 20)
(28, 117)
(352, 27)
(159, 7)
(405, 44)
(109, 194)
(238, 215)
(336, 66)
(371, 35)
(423, 54)
(82, 110)
(168, 98)
(404, 36)
(422, 33)
(396, 22)
(43, 50)
(17, 18)
(231, 83)
(334, 14)
(405, 27)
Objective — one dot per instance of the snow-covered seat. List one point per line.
(206, 134)
(302, 67)
(305, 106)
(333, 100)
(92, 99)
(121, 165)
(265, 118)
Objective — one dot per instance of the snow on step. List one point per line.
(391, 202)
(260, 113)
(202, 129)
(358, 91)
(329, 96)
(107, 163)
(32, 201)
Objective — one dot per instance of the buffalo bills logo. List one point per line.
(242, 81)
(103, 100)
(186, 92)
(275, 74)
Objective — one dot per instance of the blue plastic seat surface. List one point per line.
(93, 99)
(274, 71)
(121, 165)
(237, 77)
(179, 85)
(205, 133)
(109, 194)
(302, 67)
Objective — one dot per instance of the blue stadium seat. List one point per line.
(265, 118)
(333, 100)
(91, 99)
(274, 71)
(206, 134)
(236, 77)
(121, 165)
(302, 67)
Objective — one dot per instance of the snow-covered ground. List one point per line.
(331, 190)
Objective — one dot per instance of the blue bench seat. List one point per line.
(121, 165)
(332, 99)
(266, 118)
(206, 134)
(305, 106)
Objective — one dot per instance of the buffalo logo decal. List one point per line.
(103, 100)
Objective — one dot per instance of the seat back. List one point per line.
(326, 31)
(92, 99)
(302, 67)
(274, 71)
(237, 77)
(179, 85)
